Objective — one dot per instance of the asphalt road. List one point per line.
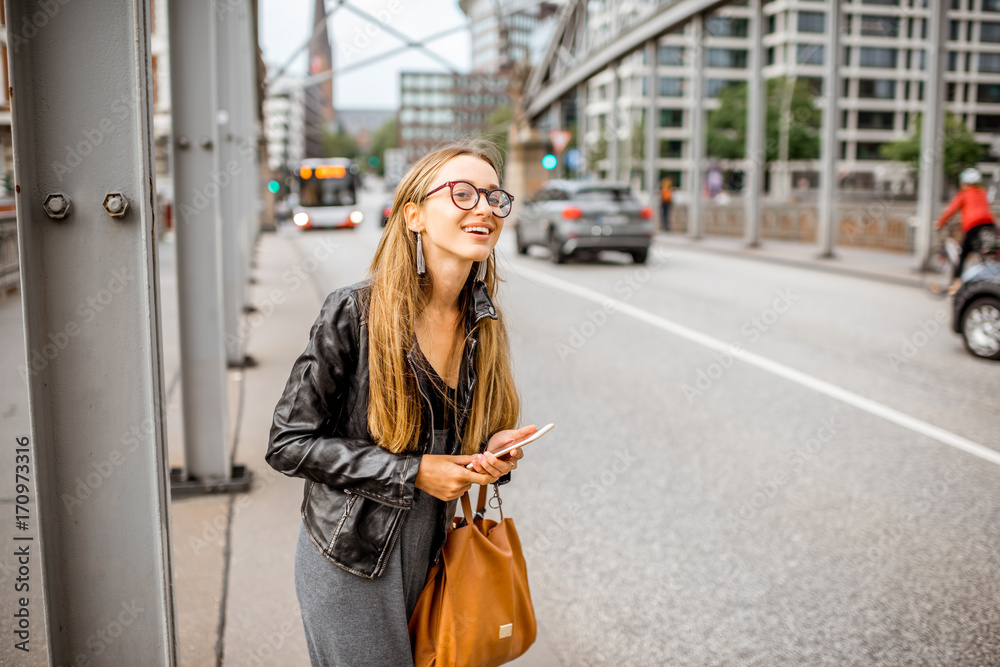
(694, 508)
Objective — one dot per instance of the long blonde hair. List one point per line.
(399, 295)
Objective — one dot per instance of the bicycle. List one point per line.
(945, 255)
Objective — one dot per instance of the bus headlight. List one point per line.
(301, 219)
(356, 217)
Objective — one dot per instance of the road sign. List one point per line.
(574, 159)
(560, 140)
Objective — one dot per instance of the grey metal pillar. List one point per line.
(932, 136)
(697, 125)
(826, 210)
(250, 130)
(614, 157)
(199, 238)
(556, 123)
(230, 115)
(581, 126)
(652, 182)
(83, 167)
(756, 158)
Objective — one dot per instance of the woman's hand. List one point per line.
(446, 477)
(488, 464)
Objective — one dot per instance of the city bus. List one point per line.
(327, 194)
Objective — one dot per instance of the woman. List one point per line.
(405, 380)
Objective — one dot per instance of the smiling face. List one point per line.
(444, 226)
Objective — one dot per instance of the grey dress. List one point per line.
(350, 620)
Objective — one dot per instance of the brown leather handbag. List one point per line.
(475, 609)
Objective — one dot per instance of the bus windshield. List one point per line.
(326, 185)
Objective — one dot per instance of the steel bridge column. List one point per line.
(931, 182)
(613, 149)
(827, 221)
(697, 125)
(199, 238)
(652, 182)
(83, 168)
(756, 158)
(581, 126)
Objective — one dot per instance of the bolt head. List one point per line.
(115, 204)
(56, 205)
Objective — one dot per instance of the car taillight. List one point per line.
(646, 213)
(572, 213)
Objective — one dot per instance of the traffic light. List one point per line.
(273, 187)
(373, 162)
(549, 161)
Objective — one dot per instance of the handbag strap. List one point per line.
(480, 505)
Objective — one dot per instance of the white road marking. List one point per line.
(804, 379)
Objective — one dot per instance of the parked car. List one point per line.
(584, 217)
(386, 210)
(976, 310)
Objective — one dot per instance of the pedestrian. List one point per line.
(666, 195)
(977, 219)
(405, 380)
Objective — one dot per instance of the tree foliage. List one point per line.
(386, 136)
(960, 148)
(339, 144)
(726, 126)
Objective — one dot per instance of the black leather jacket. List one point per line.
(356, 492)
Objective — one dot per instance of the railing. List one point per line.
(10, 270)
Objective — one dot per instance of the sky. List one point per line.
(286, 24)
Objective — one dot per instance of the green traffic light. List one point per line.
(273, 187)
(373, 161)
(549, 161)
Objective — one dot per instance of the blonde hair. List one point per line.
(399, 295)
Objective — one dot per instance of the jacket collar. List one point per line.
(480, 306)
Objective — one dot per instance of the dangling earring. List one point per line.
(421, 265)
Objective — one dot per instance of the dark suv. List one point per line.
(583, 217)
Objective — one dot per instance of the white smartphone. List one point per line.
(517, 445)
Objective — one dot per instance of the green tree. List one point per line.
(497, 128)
(382, 138)
(726, 126)
(960, 148)
(339, 144)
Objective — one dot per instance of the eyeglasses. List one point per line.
(465, 195)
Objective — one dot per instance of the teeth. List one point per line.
(481, 230)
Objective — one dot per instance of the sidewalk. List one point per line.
(887, 266)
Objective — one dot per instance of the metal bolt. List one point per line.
(205, 142)
(115, 204)
(56, 205)
(183, 142)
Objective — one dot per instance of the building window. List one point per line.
(770, 55)
(676, 177)
(989, 62)
(728, 58)
(772, 24)
(877, 57)
(989, 32)
(991, 5)
(876, 120)
(671, 148)
(812, 22)
(671, 118)
(672, 56)
(715, 86)
(952, 61)
(880, 2)
(809, 54)
(949, 92)
(877, 89)
(987, 122)
(869, 150)
(814, 84)
(880, 26)
(953, 30)
(988, 93)
(725, 26)
(671, 86)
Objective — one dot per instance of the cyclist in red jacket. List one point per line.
(977, 218)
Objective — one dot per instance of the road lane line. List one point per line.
(804, 379)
